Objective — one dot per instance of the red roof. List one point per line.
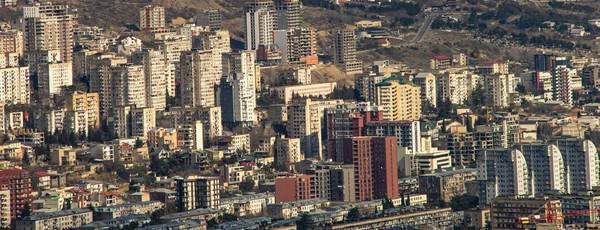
(438, 57)
(10, 172)
(78, 190)
(111, 193)
(246, 163)
(41, 174)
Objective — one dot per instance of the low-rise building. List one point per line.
(445, 185)
(111, 212)
(205, 213)
(293, 209)
(252, 204)
(507, 212)
(286, 93)
(66, 219)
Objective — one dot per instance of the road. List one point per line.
(425, 27)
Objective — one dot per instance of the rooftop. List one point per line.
(50, 215)
(191, 213)
(451, 172)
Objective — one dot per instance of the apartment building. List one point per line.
(5, 216)
(288, 151)
(89, 103)
(286, 93)
(298, 45)
(48, 27)
(152, 18)
(260, 22)
(498, 89)
(190, 135)
(53, 76)
(501, 172)
(506, 212)
(345, 51)
(365, 84)
(546, 167)
(16, 86)
(65, 219)
(198, 78)
(294, 187)
(562, 81)
(237, 98)
(211, 122)
(209, 18)
(172, 46)
(162, 138)
(492, 67)
(155, 77)
(122, 85)
(127, 209)
(581, 163)
(18, 182)
(11, 41)
(439, 62)
(304, 122)
(375, 166)
(457, 87)
(64, 156)
(289, 14)
(251, 204)
(446, 185)
(348, 120)
(142, 120)
(197, 192)
(401, 99)
(428, 84)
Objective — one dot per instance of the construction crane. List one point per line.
(552, 215)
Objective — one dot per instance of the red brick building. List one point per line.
(375, 166)
(19, 183)
(348, 120)
(293, 187)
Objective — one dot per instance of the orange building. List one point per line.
(375, 166)
(18, 181)
(293, 187)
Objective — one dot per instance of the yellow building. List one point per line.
(88, 102)
(399, 98)
(64, 156)
(161, 137)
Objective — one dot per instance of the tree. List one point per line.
(228, 217)
(26, 210)
(212, 223)
(155, 217)
(354, 214)
(387, 203)
(463, 202)
(305, 223)
(139, 143)
(545, 131)
(247, 185)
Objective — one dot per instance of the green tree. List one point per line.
(155, 217)
(463, 202)
(387, 203)
(26, 211)
(228, 217)
(247, 185)
(212, 223)
(139, 143)
(354, 214)
(545, 131)
(305, 223)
